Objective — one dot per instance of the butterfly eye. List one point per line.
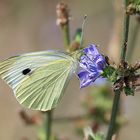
(26, 71)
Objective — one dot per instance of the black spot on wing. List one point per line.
(26, 71)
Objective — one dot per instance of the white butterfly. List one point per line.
(39, 79)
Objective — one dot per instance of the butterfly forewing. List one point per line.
(38, 79)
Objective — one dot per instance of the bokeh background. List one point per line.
(30, 25)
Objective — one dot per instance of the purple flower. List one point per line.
(92, 64)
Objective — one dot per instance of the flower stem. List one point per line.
(125, 37)
(113, 114)
(48, 124)
(115, 107)
(132, 44)
(125, 32)
(66, 36)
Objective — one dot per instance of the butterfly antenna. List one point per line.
(82, 34)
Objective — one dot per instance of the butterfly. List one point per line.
(39, 79)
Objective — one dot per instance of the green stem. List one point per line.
(115, 109)
(48, 124)
(132, 44)
(125, 37)
(115, 106)
(125, 33)
(66, 36)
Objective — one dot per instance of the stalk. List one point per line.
(132, 44)
(66, 36)
(115, 107)
(48, 124)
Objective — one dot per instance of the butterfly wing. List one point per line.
(38, 79)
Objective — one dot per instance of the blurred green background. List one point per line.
(30, 25)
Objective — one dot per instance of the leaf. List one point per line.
(99, 137)
(89, 135)
(110, 73)
(129, 91)
(136, 1)
(77, 36)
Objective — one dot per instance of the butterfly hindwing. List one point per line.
(38, 79)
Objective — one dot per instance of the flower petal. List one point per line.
(91, 51)
(92, 64)
(85, 61)
(87, 78)
(100, 62)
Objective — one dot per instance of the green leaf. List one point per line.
(77, 36)
(89, 135)
(110, 73)
(41, 134)
(99, 137)
(136, 1)
(129, 91)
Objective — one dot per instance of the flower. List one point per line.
(92, 64)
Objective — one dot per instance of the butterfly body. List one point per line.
(39, 79)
